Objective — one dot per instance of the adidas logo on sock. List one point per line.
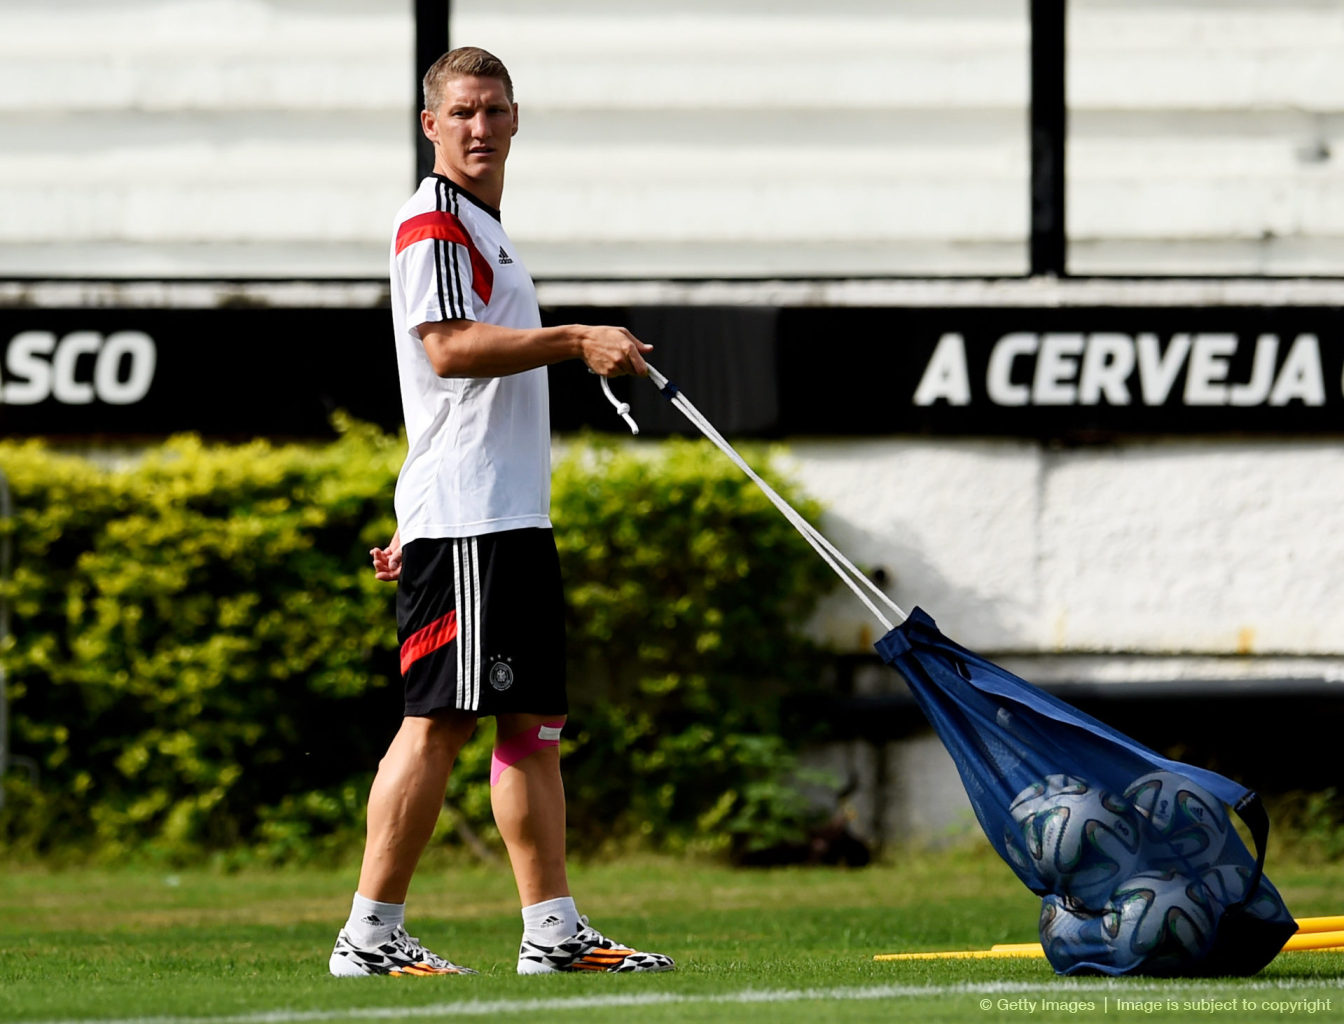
(550, 922)
(372, 919)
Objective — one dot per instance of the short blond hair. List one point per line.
(464, 62)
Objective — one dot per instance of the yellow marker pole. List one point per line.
(966, 954)
(1315, 940)
(1320, 924)
(1313, 933)
(1305, 939)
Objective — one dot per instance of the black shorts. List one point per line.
(481, 622)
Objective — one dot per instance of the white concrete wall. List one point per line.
(1207, 548)
(662, 138)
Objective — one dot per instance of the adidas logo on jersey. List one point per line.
(504, 257)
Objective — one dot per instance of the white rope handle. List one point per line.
(852, 577)
(622, 408)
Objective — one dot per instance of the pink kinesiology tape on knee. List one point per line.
(526, 743)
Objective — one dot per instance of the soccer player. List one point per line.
(479, 600)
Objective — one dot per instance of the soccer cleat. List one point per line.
(587, 950)
(400, 955)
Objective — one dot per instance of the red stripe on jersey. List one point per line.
(445, 226)
(440, 632)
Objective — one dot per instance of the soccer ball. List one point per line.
(1190, 820)
(1227, 884)
(1166, 921)
(1079, 839)
(1072, 935)
(1031, 799)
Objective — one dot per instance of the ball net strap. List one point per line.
(1251, 810)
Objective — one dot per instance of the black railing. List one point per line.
(431, 42)
(1048, 131)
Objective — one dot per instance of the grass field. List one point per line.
(777, 946)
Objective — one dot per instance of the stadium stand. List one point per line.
(675, 139)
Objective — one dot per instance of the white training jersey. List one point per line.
(480, 448)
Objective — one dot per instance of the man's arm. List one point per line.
(469, 348)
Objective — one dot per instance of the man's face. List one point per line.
(472, 131)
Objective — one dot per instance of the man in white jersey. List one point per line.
(479, 602)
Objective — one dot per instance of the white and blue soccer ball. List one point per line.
(1226, 884)
(1188, 823)
(1166, 921)
(1031, 799)
(1072, 935)
(1079, 839)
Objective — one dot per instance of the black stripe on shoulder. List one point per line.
(457, 270)
(438, 255)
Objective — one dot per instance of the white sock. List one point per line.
(551, 921)
(372, 922)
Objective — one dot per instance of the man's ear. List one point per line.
(515, 121)
(429, 124)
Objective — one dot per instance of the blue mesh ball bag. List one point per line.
(1135, 856)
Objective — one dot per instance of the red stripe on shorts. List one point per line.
(438, 633)
(445, 226)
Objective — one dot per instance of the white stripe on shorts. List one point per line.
(461, 616)
(467, 595)
(474, 682)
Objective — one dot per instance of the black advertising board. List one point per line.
(231, 372)
(1082, 373)
(1067, 373)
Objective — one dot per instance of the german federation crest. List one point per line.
(501, 674)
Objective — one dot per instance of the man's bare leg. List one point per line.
(404, 805)
(529, 806)
(406, 798)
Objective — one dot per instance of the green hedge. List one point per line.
(201, 659)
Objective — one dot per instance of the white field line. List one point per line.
(1059, 988)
